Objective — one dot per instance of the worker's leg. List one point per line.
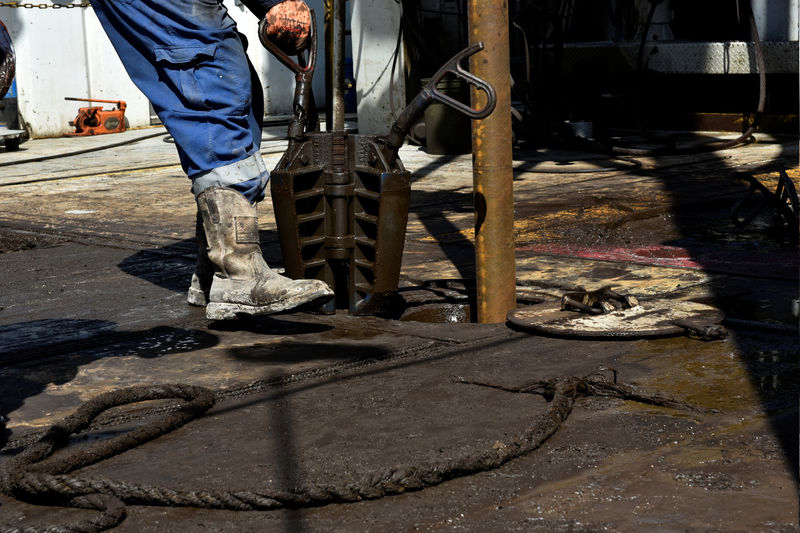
(189, 60)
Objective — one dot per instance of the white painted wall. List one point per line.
(52, 47)
(105, 76)
(374, 27)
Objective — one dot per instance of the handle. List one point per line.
(429, 93)
(453, 66)
(119, 103)
(304, 72)
(301, 66)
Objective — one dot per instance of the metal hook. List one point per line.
(453, 66)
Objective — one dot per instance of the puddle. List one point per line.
(447, 313)
(161, 341)
(732, 375)
(91, 438)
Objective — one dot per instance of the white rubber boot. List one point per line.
(203, 270)
(243, 283)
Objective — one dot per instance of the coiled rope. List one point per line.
(28, 478)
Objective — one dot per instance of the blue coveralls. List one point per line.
(188, 58)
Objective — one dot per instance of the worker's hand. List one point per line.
(288, 25)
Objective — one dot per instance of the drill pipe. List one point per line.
(334, 64)
(492, 165)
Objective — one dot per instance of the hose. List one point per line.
(744, 138)
(79, 152)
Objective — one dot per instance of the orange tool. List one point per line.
(96, 120)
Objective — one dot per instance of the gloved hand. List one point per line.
(288, 25)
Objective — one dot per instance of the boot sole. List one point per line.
(229, 311)
(196, 297)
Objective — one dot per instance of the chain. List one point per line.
(44, 6)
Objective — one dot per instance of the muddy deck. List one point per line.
(97, 249)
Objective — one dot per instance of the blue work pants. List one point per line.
(188, 58)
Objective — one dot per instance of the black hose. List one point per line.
(744, 138)
(80, 152)
(167, 139)
(105, 172)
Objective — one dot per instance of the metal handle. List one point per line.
(120, 103)
(453, 66)
(304, 110)
(301, 66)
(429, 93)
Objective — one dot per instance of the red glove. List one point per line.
(288, 25)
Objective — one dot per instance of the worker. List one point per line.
(188, 58)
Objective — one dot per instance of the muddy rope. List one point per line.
(28, 477)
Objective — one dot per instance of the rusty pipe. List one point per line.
(492, 165)
(335, 17)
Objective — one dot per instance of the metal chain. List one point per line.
(44, 6)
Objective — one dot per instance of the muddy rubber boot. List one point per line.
(243, 283)
(203, 270)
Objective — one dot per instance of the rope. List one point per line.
(27, 478)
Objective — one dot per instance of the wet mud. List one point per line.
(17, 242)
(613, 465)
